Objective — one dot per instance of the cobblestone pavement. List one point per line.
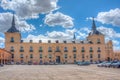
(58, 72)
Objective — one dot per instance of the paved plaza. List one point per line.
(58, 72)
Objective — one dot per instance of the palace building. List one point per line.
(93, 48)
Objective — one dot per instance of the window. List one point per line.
(57, 49)
(21, 56)
(12, 49)
(65, 56)
(12, 39)
(99, 55)
(65, 49)
(91, 56)
(74, 55)
(41, 56)
(83, 50)
(31, 55)
(49, 49)
(12, 56)
(21, 49)
(31, 49)
(98, 41)
(82, 55)
(98, 49)
(50, 56)
(40, 49)
(74, 49)
(91, 50)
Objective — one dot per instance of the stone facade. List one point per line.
(92, 49)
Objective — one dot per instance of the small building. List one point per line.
(5, 56)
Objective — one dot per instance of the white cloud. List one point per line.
(6, 19)
(110, 17)
(109, 32)
(30, 8)
(54, 35)
(59, 19)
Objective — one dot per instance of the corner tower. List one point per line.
(95, 36)
(12, 35)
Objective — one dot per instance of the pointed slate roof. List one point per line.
(13, 28)
(74, 37)
(94, 30)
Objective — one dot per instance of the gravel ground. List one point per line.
(58, 72)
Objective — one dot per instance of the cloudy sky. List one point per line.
(60, 19)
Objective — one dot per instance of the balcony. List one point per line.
(11, 50)
(40, 50)
(57, 51)
(74, 50)
(82, 50)
(65, 50)
(91, 51)
(49, 50)
(31, 51)
(98, 42)
(21, 50)
(98, 50)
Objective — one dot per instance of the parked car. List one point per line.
(101, 64)
(115, 65)
(1, 65)
(83, 63)
(108, 64)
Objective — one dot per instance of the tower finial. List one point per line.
(93, 25)
(13, 20)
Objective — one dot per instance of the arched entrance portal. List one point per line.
(58, 57)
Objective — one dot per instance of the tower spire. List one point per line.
(74, 37)
(13, 28)
(13, 21)
(93, 25)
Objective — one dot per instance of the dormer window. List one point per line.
(65, 41)
(57, 41)
(49, 41)
(73, 41)
(12, 39)
(22, 41)
(40, 41)
(31, 41)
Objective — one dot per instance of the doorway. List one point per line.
(57, 59)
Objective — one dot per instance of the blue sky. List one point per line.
(60, 19)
